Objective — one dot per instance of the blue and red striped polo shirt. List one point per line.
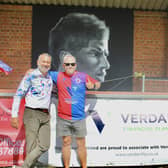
(71, 94)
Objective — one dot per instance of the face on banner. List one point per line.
(12, 141)
(94, 36)
(93, 59)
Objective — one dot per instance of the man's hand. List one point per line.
(15, 122)
(89, 84)
(97, 85)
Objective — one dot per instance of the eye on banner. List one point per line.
(12, 141)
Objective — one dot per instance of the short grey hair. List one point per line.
(65, 54)
(46, 54)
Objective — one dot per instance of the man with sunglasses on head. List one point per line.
(71, 86)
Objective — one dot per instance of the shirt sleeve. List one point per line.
(91, 79)
(54, 75)
(21, 92)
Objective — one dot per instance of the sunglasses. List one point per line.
(68, 64)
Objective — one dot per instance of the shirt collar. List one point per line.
(39, 73)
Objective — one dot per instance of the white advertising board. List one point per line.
(120, 133)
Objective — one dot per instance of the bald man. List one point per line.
(36, 87)
(71, 85)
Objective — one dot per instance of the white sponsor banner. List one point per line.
(120, 133)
